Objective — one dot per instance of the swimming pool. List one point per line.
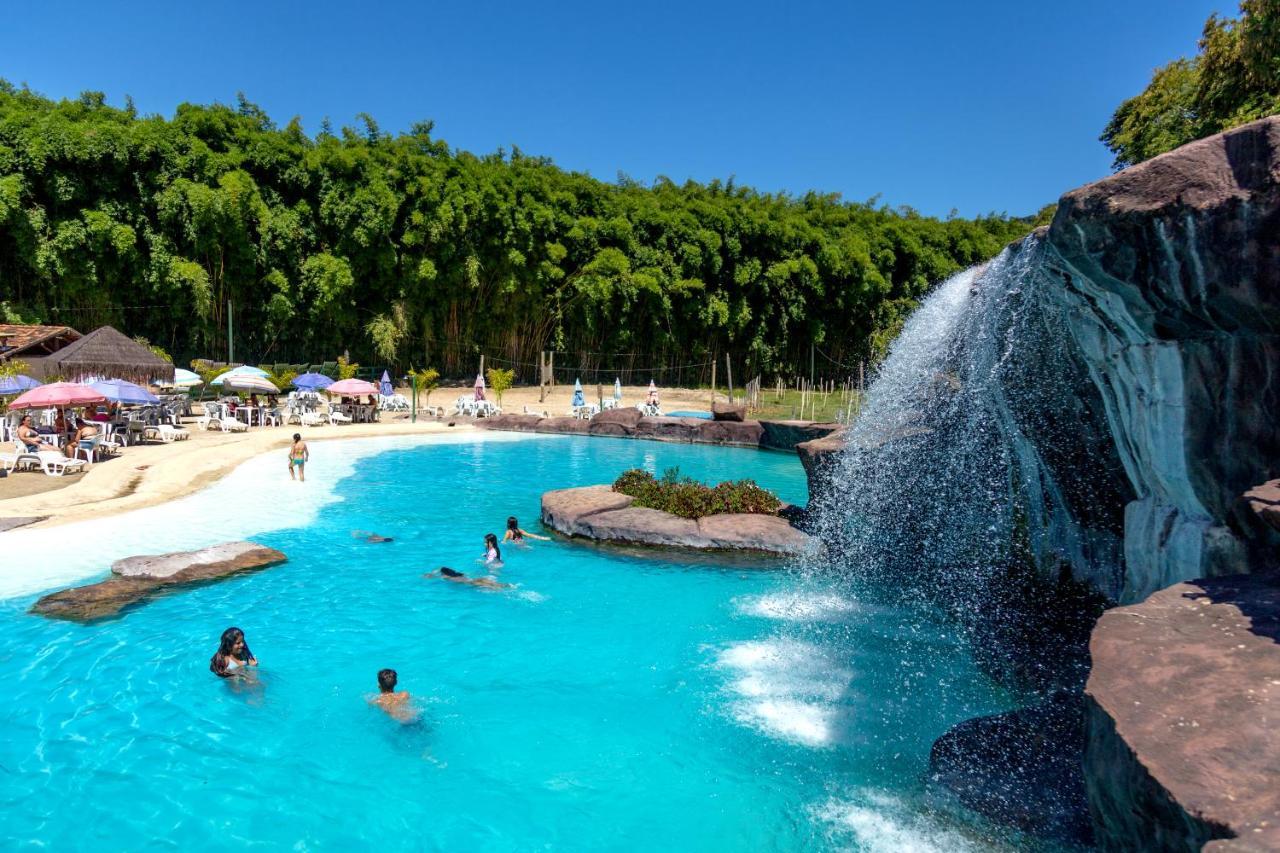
(610, 701)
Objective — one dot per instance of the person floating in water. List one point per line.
(233, 657)
(397, 703)
(298, 456)
(516, 535)
(492, 557)
(370, 537)
(448, 574)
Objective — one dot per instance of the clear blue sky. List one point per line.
(937, 104)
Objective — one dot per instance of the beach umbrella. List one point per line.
(242, 370)
(617, 389)
(312, 382)
(384, 387)
(17, 384)
(479, 386)
(351, 388)
(577, 393)
(58, 394)
(248, 384)
(120, 391)
(185, 379)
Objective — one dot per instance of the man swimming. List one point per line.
(370, 537)
(298, 456)
(448, 574)
(395, 702)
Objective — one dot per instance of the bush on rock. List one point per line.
(687, 498)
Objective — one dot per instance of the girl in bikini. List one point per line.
(233, 657)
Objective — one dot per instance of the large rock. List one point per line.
(515, 423)
(599, 513)
(567, 425)
(668, 428)
(1168, 275)
(746, 434)
(1183, 719)
(786, 435)
(1264, 501)
(626, 417)
(819, 457)
(1021, 767)
(728, 412)
(136, 579)
(565, 509)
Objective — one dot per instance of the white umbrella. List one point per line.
(248, 384)
(617, 389)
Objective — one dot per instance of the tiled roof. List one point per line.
(14, 338)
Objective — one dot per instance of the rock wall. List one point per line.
(1168, 277)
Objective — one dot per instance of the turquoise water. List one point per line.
(611, 701)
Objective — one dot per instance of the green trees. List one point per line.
(404, 251)
(1234, 80)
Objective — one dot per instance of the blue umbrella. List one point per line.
(577, 393)
(17, 384)
(119, 391)
(312, 381)
(384, 387)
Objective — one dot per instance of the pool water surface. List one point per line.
(610, 701)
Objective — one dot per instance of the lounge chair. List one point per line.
(336, 418)
(19, 455)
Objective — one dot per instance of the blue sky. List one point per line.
(936, 104)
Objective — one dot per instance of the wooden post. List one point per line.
(600, 396)
(713, 384)
(542, 376)
(551, 368)
(728, 372)
(481, 364)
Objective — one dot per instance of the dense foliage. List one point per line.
(401, 251)
(688, 498)
(1235, 79)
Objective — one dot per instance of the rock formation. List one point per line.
(599, 513)
(136, 579)
(628, 423)
(1183, 718)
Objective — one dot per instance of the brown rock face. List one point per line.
(1169, 273)
(668, 429)
(598, 512)
(571, 426)
(515, 423)
(1183, 719)
(744, 434)
(819, 459)
(626, 417)
(786, 435)
(1264, 500)
(728, 412)
(137, 579)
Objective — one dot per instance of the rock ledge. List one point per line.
(136, 579)
(598, 512)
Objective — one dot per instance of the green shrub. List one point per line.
(687, 498)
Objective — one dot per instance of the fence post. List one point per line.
(728, 373)
(713, 384)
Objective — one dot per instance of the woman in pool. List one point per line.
(492, 558)
(516, 535)
(233, 657)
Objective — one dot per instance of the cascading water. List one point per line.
(979, 472)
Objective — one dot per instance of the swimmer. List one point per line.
(233, 657)
(394, 702)
(448, 574)
(492, 557)
(516, 535)
(370, 537)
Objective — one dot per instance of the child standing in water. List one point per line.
(298, 456)
(492, 558)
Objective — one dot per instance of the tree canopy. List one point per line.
(1234, 80)
(403, 251)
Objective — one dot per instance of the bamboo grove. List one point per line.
(403, 251)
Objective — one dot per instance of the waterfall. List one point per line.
(980, 471)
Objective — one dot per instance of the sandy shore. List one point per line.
(145, 475)
(150, 474)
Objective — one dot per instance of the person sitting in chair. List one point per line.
(31, 440)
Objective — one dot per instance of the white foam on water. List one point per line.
(795, 606)
(879, 823)
(256, 498)
(786, 688)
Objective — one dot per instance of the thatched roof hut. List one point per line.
(104, 353)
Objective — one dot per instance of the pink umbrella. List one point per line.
(479, 386)
(58, 394)
(351, 388)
